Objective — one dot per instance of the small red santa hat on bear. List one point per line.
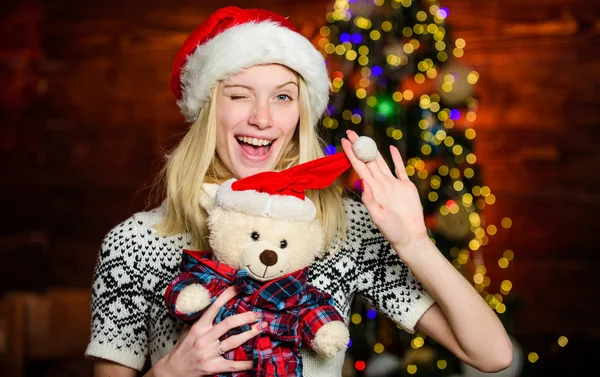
(281, 195)
(232, 39)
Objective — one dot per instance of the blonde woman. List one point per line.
(253, 90)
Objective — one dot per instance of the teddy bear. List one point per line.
(264, 234)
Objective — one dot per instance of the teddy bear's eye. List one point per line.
(283, 244)
(255, 236)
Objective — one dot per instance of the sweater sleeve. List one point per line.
(119, 330)
(384, 280)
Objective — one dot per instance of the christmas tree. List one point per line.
(397, 77)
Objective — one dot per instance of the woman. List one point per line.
(253, 89)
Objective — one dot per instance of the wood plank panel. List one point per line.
(544, 227)
(539, 162)
(558, 296)
(531, 56)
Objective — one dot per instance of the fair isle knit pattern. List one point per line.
(130, 322)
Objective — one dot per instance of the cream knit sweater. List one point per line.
(130, 322)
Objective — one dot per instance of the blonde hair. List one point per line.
(194, 161)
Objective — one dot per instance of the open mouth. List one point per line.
(253, 146)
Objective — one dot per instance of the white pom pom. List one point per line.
(365, 148)
(192, 298)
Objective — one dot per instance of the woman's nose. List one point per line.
(261, 116)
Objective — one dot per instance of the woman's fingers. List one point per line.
(234, 321)
(237, 366)
(383, 166)
(200, 342)
(237, 340)
(378, 166)
(398, 163)
(207, 319)
(367, 196)
(212, 311)
(360, 167)
(219, 365)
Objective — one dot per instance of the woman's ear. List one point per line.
(207, 196)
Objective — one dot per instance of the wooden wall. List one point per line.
(86, 111)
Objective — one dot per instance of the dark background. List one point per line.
(86, 112)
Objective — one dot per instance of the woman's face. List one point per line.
(257, 114)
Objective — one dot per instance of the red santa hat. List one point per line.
(232, 39)
(281, 195)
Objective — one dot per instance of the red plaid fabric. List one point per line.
(294, 310)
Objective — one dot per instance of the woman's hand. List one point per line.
(392, 201)
(197, 352)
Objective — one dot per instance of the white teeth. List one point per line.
(254, 141)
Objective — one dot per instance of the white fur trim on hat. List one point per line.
(246, 45)
(252, 202)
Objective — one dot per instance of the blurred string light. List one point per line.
(446, 125)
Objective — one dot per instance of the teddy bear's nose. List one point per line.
(268, 257)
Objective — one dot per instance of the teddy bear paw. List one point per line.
(331, 338)
(192, 298)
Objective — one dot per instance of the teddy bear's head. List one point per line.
(268, 243)
(265, 223)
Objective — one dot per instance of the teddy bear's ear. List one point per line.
(207, 196)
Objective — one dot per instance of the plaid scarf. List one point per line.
(294, 310)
